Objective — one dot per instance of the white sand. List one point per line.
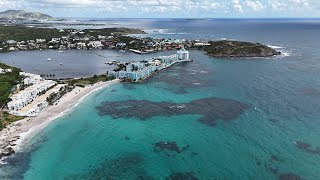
(18, 133)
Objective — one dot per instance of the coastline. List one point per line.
(16, 135)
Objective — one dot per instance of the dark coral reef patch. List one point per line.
(290, 176)
(307, 147)
(169, 146)
(212, 109)
(128, 166)
(182, 176)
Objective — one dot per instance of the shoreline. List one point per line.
(16, 135)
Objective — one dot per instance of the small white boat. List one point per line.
(49, 59)
(60, 51)
(123, 51)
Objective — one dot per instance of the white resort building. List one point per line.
(30, 78)
(2, 71)
(32, 100)
(136, 71)
(183, 54)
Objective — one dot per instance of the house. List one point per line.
(8, 70)
(26, 102)
(101, 37)
(200, 44)
(30, 78)
(2, 71)
(11, 42)
(81, 45)
(95, 44)
(183, 54)
(55, 40)
(12, 49)
(85, 39)
(40, 40)
(121, 45)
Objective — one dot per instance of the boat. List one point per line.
(60, 64)
(60, 51)
(123, 51)
(49, 59)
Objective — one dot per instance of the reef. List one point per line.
(307, 147)
(290, 176)
(126, 166)
(211, 109)
(182, 176)
(170, 146)
(182, 76)
(275, 158)
(128, 86)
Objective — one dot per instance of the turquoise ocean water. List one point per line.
(209, 119)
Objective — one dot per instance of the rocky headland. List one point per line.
(228, 48)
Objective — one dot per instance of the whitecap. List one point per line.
(284, 52)
(275, 47)
(181, 106)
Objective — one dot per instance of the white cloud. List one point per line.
(254, 5)
(169, 8)
(237, 6)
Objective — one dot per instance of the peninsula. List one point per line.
(23, 35)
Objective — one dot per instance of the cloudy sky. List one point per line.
(169, 8)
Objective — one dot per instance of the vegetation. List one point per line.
(239, 49)
(54, 97)
(88, 81)
(6, 119)
(23, 33)
(121, 67)
(109, 31)
(7, 82)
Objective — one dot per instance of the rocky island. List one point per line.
(228, 48)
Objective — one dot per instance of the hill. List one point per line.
(21, 14)
(228, 48)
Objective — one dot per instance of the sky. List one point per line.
(169, 8)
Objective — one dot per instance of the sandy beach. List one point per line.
(13, 137)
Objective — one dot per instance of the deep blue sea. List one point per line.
(214, 118)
